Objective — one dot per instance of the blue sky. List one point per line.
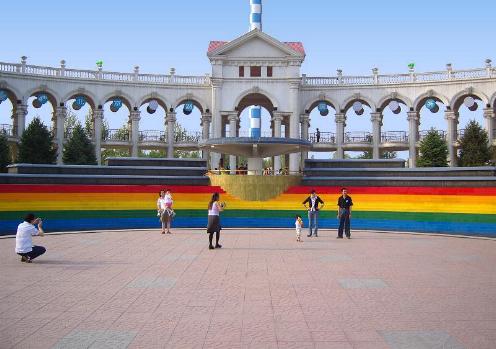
(351, 35)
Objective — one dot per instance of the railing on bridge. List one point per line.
(119, 135)
(7, 130)
(188, 137)
(394, 137)
(423, 134)
(152, 136)
(69, 130)
(358, 137)
(324, 137)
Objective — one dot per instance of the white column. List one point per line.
(98, 119)
(305, 124)
(216, 119)
(205, 124)
(376, 119)
(60, 114)
(451, 136)
(171, 123)
(340, 125)
(489, 115)
(294, 125)
(277, 119)
(233, 128)
(20, 122)
(135, 118)
(413, 129)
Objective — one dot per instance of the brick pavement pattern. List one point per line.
(262, 290)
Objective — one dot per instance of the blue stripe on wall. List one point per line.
(476, 229)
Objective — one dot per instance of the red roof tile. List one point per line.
(213, 45)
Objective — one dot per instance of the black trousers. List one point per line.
(36, 252)
(344, 222)
(211, 237)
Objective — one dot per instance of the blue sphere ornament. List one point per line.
(188, 107)
(430, 104)
(323, 108)
(42, 98)
(116, 105)
(80, 101)
(3, 96)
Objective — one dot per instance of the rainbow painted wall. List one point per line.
(94, 207)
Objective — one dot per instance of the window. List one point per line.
(269, 71)
(241, 71)
(256, 71)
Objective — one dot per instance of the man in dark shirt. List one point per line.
(317, 134)
(344, 214)
(313, 212)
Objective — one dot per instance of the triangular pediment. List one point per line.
(255, 44)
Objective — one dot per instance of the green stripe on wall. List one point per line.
(411, 216)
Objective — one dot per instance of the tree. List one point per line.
(433, 150)
(79, 150)
(36, 146)
(4, 153)
(474, 147)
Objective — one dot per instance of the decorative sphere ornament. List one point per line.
(36, 103)
(42, 98)
(324, 111)
(113, 109)
(75, 106)
(395, 107)
(80, 101)
(150, 110)
(153, 105)
(431, 105)
(357, 105)
(188, 107)
(3, 96)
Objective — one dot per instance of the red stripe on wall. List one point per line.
(397, 190)
(66, 188)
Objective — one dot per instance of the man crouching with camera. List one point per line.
(24, 238)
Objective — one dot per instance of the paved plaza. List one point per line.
(262, 290)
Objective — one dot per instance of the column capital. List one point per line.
(135, 115)
(304, 118)
(98, 114)
(413, 115)
(205, 118)
(489, 113)
(376, 117)
(170, 117)
(450, 115)
(61, 111)
(233, 117)
(340, 118)
(277, 117)
(22, 109)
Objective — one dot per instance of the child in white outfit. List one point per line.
(298, 226)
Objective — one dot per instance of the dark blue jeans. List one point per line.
(344, 222)
(313, 222)
(36, 252)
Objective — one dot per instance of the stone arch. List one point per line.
(91, 98)
(162, 101)
(457, 99)
(255, 90)
(197, 102)
(312, 103)
(384, 101)
(492, 101)
(126, 99)
(420, 100)
(53, 97)
(12, 93)
(358, 97)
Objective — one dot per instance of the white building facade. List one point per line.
(254, 69)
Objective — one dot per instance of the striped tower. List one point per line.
(255, 111)
(256, 14)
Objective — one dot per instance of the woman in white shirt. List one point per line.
(164, 210)
(214, 209)
(24, 238)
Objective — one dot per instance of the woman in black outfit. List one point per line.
(214, 209)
